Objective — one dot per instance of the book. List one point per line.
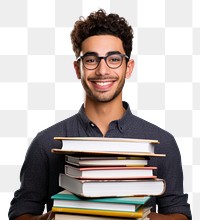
(109, 172)
(112, 188)
(102, 144)
(102, 153)
(69, 200)
(67, 216)
(84, 161)
(138, 214)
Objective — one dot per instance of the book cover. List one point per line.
(110, 172)
(112, 188)
(69, 200)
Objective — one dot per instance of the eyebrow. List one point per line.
(107, 54)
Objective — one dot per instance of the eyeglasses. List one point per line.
(92, 61)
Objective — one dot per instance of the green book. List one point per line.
(69, 200)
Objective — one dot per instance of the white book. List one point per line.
(112, 188)
(117, 145)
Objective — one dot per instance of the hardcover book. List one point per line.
(110, 172)
(84, 161)
(112, 188)
(138, 214)
(61, 216)
(105, 146)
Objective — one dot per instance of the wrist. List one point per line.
(46, 216)
(157, 216)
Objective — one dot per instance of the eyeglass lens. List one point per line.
(92, 61)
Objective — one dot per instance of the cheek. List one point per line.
(121, 73)
(84, 76)
(81, 72)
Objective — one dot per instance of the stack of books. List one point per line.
(106, 178)
(123, 207)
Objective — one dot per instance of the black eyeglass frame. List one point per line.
(104, 58)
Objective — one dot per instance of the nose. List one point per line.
(102, 68)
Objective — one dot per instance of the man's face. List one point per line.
(102, 84)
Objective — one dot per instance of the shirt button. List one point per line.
(92, 124)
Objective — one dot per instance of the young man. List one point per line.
(102, 44)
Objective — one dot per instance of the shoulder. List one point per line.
(144, 129)
(147, 128)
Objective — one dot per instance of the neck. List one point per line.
(102, 113)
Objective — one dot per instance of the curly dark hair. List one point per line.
(99, 23)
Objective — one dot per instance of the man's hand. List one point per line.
(156, 216)
(47, 216)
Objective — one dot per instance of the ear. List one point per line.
(77, 69)
(129, 68)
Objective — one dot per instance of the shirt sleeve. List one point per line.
(32, 195)
(173, 200)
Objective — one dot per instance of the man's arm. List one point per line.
(156, 216)
(47, 216)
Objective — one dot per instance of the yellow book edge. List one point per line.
(137, 214)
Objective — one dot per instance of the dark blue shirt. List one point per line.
(41, 168)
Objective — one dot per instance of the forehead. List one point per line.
(102, 44)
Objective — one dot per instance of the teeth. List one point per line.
(103, 83)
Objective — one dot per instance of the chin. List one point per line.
(105, 99)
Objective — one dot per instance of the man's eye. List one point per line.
(114, 59)
(90, 60)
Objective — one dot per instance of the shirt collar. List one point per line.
(121, 123)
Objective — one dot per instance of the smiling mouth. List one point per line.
(103, 83)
